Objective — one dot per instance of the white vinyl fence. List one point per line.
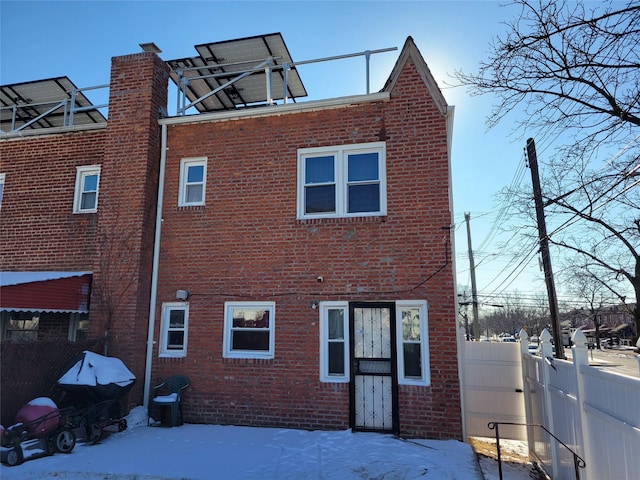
(593, 412)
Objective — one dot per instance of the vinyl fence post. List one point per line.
(581, 362)
(638, 357)
(526, 389)
(462, 377)
(549, 369)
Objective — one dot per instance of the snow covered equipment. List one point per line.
(96, 384)
(40, 429)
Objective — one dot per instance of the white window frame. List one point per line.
(185, 163)
(228, 351)
(325, 376)
(2, 178)
(81, 174)
(340, 154)
(165, 328)
(424, 343)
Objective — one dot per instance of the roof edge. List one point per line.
(280, 109)
(410, 51)
(18, 278)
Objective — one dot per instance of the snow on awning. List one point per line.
(67, 292)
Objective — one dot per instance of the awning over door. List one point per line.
(45, 291)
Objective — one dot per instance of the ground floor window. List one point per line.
(334, 341)
(20, 326)
(249, 329)
(413, 344)
(78, 326)
(173, 329)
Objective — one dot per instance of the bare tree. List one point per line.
(593, 292)
(116, 275)
(575, 73)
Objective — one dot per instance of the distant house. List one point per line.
(294, 259)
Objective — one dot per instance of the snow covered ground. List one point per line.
(206, 452)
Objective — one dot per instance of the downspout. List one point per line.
(154, 273)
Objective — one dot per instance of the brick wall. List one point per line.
(38, 229)
(246, 244)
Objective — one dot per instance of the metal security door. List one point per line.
(374, 388)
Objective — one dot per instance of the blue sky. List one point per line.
(44, 39)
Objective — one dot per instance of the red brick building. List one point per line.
(294, 260)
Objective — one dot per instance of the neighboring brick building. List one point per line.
(303, 274)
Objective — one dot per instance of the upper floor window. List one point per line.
(249, 329)
(345, 181)
(193, 176)
(86, 193)
(334, 341)
(413, 343)
(173, 329)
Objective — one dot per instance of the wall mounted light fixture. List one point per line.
(314, 304)
(182, 295)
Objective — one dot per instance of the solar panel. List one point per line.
(219, 63)
(23, 102)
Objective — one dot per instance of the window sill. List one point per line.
(172, 355)
(191, 207)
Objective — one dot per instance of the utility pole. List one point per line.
(544, 248)
(474, 291)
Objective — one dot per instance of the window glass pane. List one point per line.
(176, 319)
(363, 166)
(176, 340)
(195, 173)
(411, 324)
(250, 318)
(336, 324)
(364, 198)
(336, 358)
(88, 201)
(194, 193)
(412, 360)
(90, 183)
(250, 340)
(23, 327)
(320, 199)
(319, 169)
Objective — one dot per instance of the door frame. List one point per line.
(354, 366)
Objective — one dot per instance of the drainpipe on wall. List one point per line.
(154, 274)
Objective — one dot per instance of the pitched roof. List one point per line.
(410, 51)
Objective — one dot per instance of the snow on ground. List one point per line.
(205, 452)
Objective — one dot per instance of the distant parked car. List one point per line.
(533, 348)
(539, 350)
(508, 339)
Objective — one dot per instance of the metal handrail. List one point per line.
(267, 65)
(578, 462)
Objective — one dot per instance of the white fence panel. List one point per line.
(612, 414)
(595, 413)
(493, 389)
(565, 424)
